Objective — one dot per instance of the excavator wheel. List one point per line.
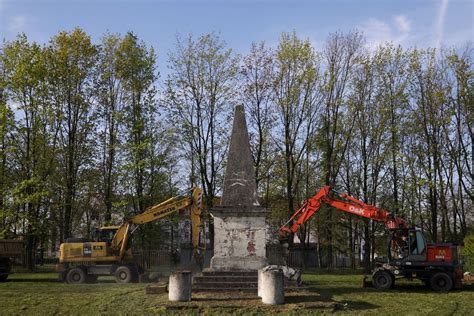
(76, 276)
(123, 275)
(382, 280)
(441, 281)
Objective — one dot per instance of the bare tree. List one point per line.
(341, 54)
(200, 92)
(295, 86)
(256, 75)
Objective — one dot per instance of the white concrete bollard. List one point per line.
(179, 287)
(272, 287)
(259, 286)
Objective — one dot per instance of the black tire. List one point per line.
(123, 275)
(91, 278)
(382, 280)
(441, 281)
(76, 276)
(3, 278)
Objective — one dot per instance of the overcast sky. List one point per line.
(240, 22)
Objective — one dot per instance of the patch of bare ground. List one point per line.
(249, 301)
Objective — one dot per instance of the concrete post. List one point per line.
(259, 287)
(179, 287)
(272, 287)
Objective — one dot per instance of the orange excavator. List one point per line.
(409, 255)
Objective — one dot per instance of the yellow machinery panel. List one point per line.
(99, 249)
(70, 250)
(87, 251)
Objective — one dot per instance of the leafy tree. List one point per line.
(295, 84)
(71, 63)
(460, 133)
(428, 117)
(341, 54)
(256, 76)
(392, 73)
(7, 126)
(136, 70)
(110, 101)
(200, 92)
(468, 251)
(25, 71)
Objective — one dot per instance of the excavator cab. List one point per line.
(105, 233)
(407, 244)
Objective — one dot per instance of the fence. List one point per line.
(309, 258)
(153, 258)
(164, 259)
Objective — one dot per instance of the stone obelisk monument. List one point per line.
(239, 222)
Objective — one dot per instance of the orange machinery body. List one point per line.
(440, 253)
(347, 204)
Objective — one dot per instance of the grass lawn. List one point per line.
(41, 294)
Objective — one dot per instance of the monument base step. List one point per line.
(236, 273)
(225, 279)
(245, 289)
(212, 280)
(222, 289)
(234, 281)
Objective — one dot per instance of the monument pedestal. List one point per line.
(239, 238)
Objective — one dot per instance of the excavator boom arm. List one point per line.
(159, 211)
(346, 203)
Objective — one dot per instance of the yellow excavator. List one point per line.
(82, 261)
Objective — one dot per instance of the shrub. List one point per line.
(468, 253)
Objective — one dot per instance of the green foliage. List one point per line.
(135, 63)
(468, 252)
(7, 147)
(199, 94)
(29, 191)
(294, 84)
